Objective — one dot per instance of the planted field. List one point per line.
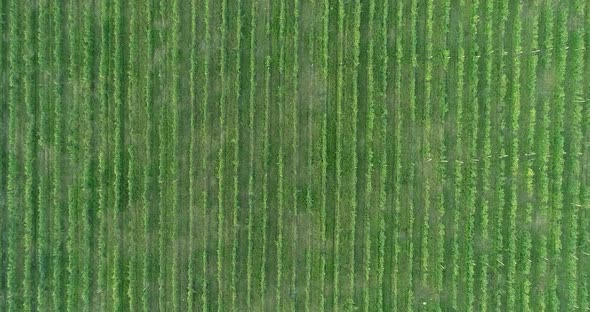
(295, 155)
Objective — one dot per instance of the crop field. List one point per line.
(294, 155)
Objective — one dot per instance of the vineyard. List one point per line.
(294, 155)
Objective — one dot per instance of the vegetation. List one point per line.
(295, 155)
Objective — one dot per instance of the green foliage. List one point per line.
(294, 155)
(541, 153)
(251, 145)
(45, 140)
(525, 188)
(30, 153)
(512, 165)
(556, 153)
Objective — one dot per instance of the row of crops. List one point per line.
(295, 155)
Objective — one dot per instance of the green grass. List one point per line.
(294, 155)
